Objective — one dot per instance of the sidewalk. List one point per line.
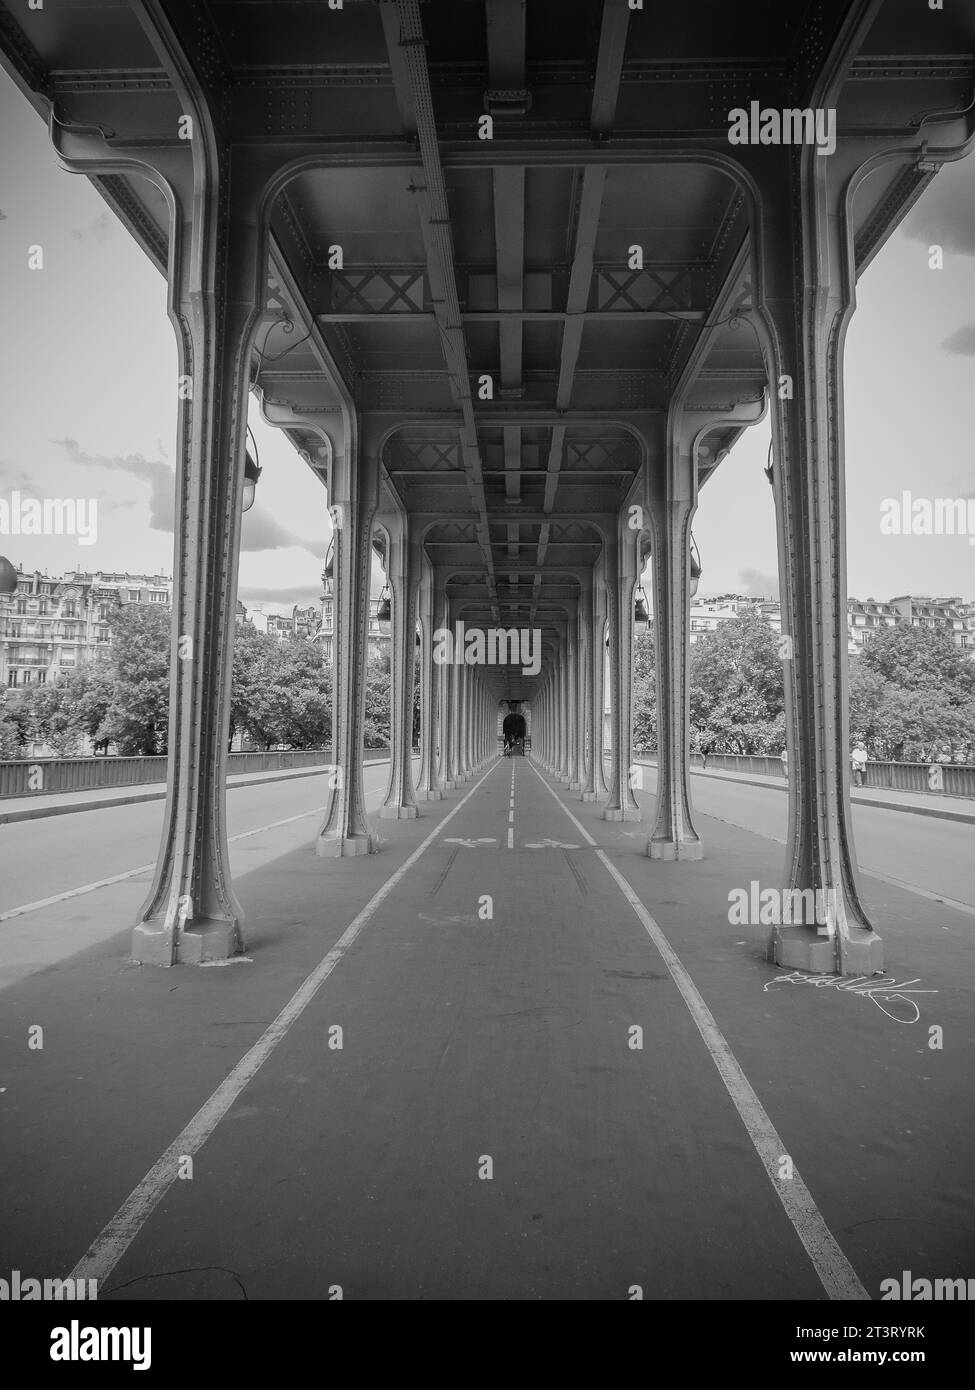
(917, 803)
(18, 808)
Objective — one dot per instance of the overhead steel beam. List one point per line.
(507, 91)
(513, 319)
(609, 65)
(509, 235)
(405, 43)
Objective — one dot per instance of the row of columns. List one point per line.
(801, 298)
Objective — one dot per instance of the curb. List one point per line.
(43, 812)
(965, 817)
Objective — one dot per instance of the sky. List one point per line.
(88, 403)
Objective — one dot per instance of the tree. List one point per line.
(866, 697)
(13, 731)
(916, 658)
(926, 705)
(737, 700)
(50, 718)
(257, 702)
(137, 719)
(306, 685)
(645, 692)
(376, 730)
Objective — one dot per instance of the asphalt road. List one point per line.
(921, 852)
(44, 857)
(561, 1074)
(40, 858)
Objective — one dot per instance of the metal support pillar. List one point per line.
(355, 487)
(592, 687)
(573, 764)
(453, 727)
(673, 835)
(806, 279)
(428, 784)
(218, 269)
(404, 581)
(621, 577)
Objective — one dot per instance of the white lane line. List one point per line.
(73, 893)
(836, 1274)
(928, 893)
(145, 868)
(511, 838)
(115, 1238)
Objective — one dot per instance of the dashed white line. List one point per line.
(835, 1272)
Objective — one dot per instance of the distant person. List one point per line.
(785, 763)
(858, 761)
(706, 750)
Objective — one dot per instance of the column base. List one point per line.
(575, 786)
(434, 794)
(799, 948)
(676, 849)
(615, 814)
(207, 939)
(450, 786)
(343, 846)
(399, 813)
(589, 796)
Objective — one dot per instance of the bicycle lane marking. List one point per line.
(117, 1235)
(836, 1274)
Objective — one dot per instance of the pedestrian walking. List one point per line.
(858, 762)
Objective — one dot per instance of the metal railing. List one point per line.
(934, 779)
(34, 776)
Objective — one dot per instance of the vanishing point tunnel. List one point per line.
(513, 278)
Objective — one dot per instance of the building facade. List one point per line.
(50, 625)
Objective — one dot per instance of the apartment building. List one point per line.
(51, 624)
(944, 614)
(378, 638)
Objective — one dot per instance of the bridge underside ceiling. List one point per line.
(503, 304)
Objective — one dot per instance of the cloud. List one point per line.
(13, 476)
(962, 342)
(99, 230)
(943, 216)
(159, 476)
(282, 598)
(755, 584)
(260, 531)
